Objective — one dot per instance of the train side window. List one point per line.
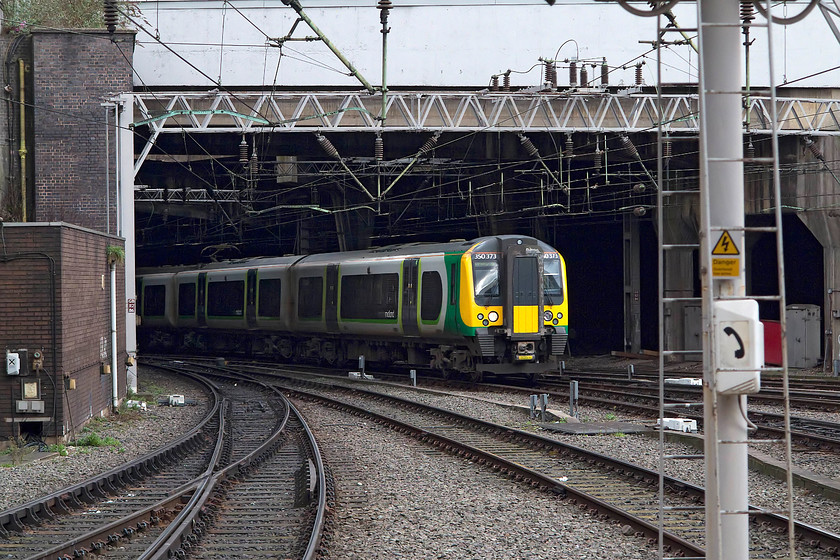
(552, 282)
(453, 284)
(226, 299)
(369, 296)
(154, 301)
(431, 296)
(186, 299)
(268, 304)
(310, 297)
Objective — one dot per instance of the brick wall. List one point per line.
(15, 49)
(73, 73)
(28, 254)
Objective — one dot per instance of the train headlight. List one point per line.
(485, 322)
(480, 316)
(559, 315)
(493, 316)
(556, 322)
(548, 315)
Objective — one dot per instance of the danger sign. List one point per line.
(726, 246)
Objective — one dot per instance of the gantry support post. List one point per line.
(722, 185)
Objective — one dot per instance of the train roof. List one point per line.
(418, 249)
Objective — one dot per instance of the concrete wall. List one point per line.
(441, 43)
(55, 297)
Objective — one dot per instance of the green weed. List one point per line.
(92, 439)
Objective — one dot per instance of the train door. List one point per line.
(526, 299)
(251, 298)
(409, 296)
(332, 298)
(201, 314)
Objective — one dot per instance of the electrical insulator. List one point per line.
(378, 148)
(605, 73)
(385, 7)
(747, 11)
(570, 146)
(550, 75)
(529, 146)
(639, 188)
(494, 83)
(253, 164)
(667, 149)
(584, 76)
(639, 78)
(573, 73)
(599, 159)
(750, 150)
(243, 151)
(640, 210)
(506, 81)
(111, 15)
(628, 146)
(429, 144)
(327, 146)
(814, 149)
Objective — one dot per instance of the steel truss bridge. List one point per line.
(593, 111)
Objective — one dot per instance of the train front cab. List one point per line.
(513, 299)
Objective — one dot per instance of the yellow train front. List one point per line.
(513, 306)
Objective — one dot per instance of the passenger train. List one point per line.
(493, 305)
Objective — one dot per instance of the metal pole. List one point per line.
(295, 4)
(124, 180)
(722, 182)
(385, 7)
(107, 173)
(115, 395)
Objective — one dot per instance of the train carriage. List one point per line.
(495, 304)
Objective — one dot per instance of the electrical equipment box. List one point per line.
(29, 406)
(739, 347)
(12, 363)
(176, 400)
(804, 335)
(30, 389)
(37, 360)
(685, 425)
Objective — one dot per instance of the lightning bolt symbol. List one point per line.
(725, 244)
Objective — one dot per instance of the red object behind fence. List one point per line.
(772, 343)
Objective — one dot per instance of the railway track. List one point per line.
(186, 497)
(605, 486)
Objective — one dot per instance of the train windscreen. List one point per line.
(552, 280)
(486, 280)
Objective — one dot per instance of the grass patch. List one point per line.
(610, 417)
(59, 448)
(17, 450)
(93, 439)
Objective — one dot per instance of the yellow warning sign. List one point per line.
(726, 268)
(725, 245)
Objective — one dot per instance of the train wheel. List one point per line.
(476, 376)
(285, 349)
(328, 353)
